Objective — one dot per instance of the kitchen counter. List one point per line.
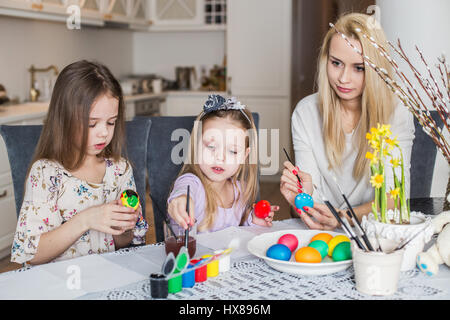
(28, 110)
(22, 111)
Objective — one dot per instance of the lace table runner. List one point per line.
(253, 279)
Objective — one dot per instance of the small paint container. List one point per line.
(189, 278)
(212, 267)
(175, 283)
(200, 273)
(224, 261)
(159, 287)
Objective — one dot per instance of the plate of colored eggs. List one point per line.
(307, 252)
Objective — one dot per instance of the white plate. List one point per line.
(259, 245)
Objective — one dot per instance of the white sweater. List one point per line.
(310, 156)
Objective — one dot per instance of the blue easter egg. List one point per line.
(303, 200)
(279, 251)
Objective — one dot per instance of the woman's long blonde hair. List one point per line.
(247, 174)
(377, 101)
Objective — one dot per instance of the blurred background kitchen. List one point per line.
(170, 54)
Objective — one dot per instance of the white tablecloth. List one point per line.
(125, 275)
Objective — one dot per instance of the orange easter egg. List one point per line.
(308, 254)
(322, 236)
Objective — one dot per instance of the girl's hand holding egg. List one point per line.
(263, 213)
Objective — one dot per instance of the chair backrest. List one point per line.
(21, 142)
(423, 158)
(167, 135)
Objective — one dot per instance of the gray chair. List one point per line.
(423, 158)
(21, 142)
(162, 171)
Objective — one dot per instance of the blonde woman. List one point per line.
(221, 170)
(329, 127)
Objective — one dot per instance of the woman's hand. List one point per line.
(177, 211)
(319, 217)
(290, 187)
(112, 218)
(267, 221)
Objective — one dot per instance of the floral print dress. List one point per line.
(53, 196)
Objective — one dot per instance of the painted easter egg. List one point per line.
(322, 236)
(308, 254)
(130, 198)
(289, 240)
(335, 241)
(342, 251)
(303, 200)
(321, 246)
(279, 251)
(262, 209)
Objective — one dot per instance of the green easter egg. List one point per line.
(320, 246)
(342, 252)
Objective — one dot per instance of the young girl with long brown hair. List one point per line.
(70, 206)
(221, 170)
(329, 127)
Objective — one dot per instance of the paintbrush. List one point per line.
(403, 244)
(289, 159)
(351, 214)
(186, 232)
(346, 228)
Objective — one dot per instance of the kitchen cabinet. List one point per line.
(8, 217)
(187, 15)
(259, 63)
(92, 12)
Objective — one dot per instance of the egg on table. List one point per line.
(342, 251)
(308, 254)
(335, 241)
(320, 246)
(322, 236)
(289, 240)
(279, 251)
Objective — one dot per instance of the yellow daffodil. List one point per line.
(395, 162)
(372, 157)
(384, 130)
(377, 180)
(394, 193)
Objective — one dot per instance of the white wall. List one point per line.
(161, 52)
(25, 42)
(425, 24)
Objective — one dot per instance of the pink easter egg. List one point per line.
(289, 240)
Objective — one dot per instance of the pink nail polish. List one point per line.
(294, 172)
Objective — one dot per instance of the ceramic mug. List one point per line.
(377, 273)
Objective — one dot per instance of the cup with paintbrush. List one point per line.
(377, 272)
(176, 237)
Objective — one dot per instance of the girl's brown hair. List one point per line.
(77, 88)
(247, 174)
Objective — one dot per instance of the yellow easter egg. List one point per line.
(335, 241)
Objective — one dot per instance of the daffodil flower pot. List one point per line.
(377, 273)
(419, 224)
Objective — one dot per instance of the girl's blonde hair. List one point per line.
(377, 101)
(247, 173)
